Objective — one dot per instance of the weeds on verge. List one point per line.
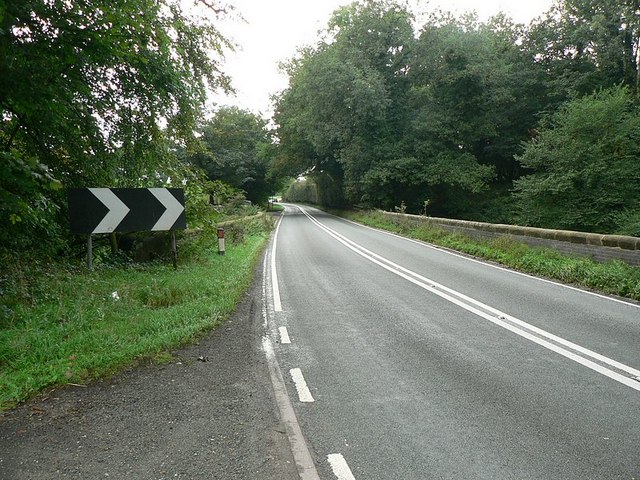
(63, 324)
(614, 278)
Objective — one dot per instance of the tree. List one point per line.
(345, 105)
(586, 167)
(475, 95)
(85, 86)
(585, 45)
(237, 151)
(394, 118)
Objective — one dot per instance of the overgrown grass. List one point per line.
(615, 277)
(67, 325)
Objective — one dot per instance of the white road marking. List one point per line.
(339, 466)
(277, 305)
(301, 385)
(495, 316)
(498, 267)
(265, 322)
(284, 335)
(304, 462)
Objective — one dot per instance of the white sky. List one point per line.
(275, 29)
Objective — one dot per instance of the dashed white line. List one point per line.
(339, 466)
(301, 385)
(284, 335)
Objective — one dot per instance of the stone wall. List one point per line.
(597, 246)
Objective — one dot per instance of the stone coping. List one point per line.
(619, 241)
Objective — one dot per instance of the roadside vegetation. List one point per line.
(62, 324)
(613, 278)
(446, 115)
(485, 120)
(83, 106)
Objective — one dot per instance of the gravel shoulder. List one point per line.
(209, 413)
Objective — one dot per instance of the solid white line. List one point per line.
(497, 267)
(304, 462)
(339, 466)
(265, 319)
(284, 335)
(277, 305)
(492, 314)
(301, 385)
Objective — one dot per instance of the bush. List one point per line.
(586, 174)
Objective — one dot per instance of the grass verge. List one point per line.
(613, 278)
(71, 326)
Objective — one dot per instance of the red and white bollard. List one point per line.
(220, 241)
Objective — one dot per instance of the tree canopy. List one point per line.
(459, 115)
(236, 151)
(446, 115)
(586, 166)
(95, 94)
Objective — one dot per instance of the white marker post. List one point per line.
(220, 241)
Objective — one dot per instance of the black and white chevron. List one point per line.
(106, 210)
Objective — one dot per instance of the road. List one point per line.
(207, 413)
(405, 361)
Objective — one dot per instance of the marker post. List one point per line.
(220, 241)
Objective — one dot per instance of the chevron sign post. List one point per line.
(108, 210)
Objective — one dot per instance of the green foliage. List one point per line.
(585, 165)
(85, 86)
(237, 149)
(476, 94)
(344, 106)
(63, 324)
(302, 190)
(389, 117)
(27, 203)
(198, 193)
(616, 277)
(585, 45)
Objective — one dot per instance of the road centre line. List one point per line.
(284, 335)
(498, 267)
(339, 466)
(495, 316)
(304, 394)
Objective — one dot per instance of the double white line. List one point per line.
(617, 371)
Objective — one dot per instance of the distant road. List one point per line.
(405, 361)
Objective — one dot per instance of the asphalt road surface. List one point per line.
(405, 361)
(207, 414)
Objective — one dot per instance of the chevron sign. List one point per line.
(106, 210)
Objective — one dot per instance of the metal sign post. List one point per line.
(89, 252)
(174, 250)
